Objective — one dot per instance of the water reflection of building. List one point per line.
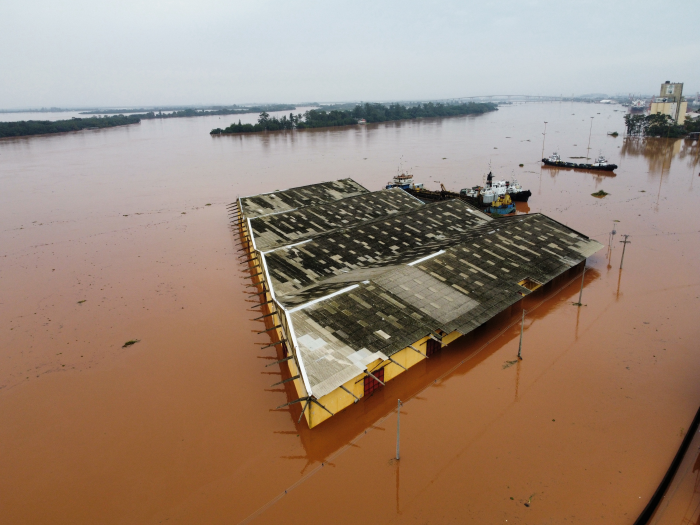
(670, 102)
(325, 442)
(658, 152)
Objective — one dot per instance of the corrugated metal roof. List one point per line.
(473, 276)
(287, 200)
(281, 229)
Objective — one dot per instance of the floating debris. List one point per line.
(130, 342)
(600, 194)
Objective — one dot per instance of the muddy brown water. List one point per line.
(181, 426)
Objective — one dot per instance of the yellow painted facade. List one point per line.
(669, 108)
(339, 399)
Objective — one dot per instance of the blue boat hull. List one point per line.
(502, 210)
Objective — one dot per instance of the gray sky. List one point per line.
(134, 52)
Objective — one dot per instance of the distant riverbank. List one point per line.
(191, 112)
(25, 128)
(362, 113)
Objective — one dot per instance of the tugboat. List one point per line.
(503, 205)
(600, 163)
(404, 180)
(484, 196)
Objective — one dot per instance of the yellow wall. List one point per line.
(338, 399)
(668, 108)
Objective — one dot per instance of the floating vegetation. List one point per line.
(81, 302)
(600, 194)
(208, 204)
(131, 342)
(521, 165)
(613, 134)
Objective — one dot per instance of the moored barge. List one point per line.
(600, 164)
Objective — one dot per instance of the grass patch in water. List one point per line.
(600, 194)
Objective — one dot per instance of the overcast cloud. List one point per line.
(147, 52)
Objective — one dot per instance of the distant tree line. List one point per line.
(318, 118)
(191, 112)
(43, 127)
(658, 125)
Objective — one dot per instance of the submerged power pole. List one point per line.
(580, 295)
(590, 132)
(398, 429)
(544, 135)
(624, 245)
(520, 346)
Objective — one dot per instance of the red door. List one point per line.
(372, 384)
(432, 347)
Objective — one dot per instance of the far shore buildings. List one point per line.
(670, 102)
(363, 285)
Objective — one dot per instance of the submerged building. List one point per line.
(363, 285)
(670, 102)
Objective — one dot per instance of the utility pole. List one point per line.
(520, 346)
(588, 151)
(398, 429)
(612, 234)
(580, 295)
(624, 245)
(544, 135)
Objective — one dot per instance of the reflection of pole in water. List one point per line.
(398, 466)
(578, 316)
(619, 278)
(517, 379)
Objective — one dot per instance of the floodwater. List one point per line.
(181, 426)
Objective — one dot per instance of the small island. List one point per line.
(369, 113)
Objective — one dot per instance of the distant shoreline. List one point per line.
(53, 134)
(30, 128)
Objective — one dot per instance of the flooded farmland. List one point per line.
(122, 234)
